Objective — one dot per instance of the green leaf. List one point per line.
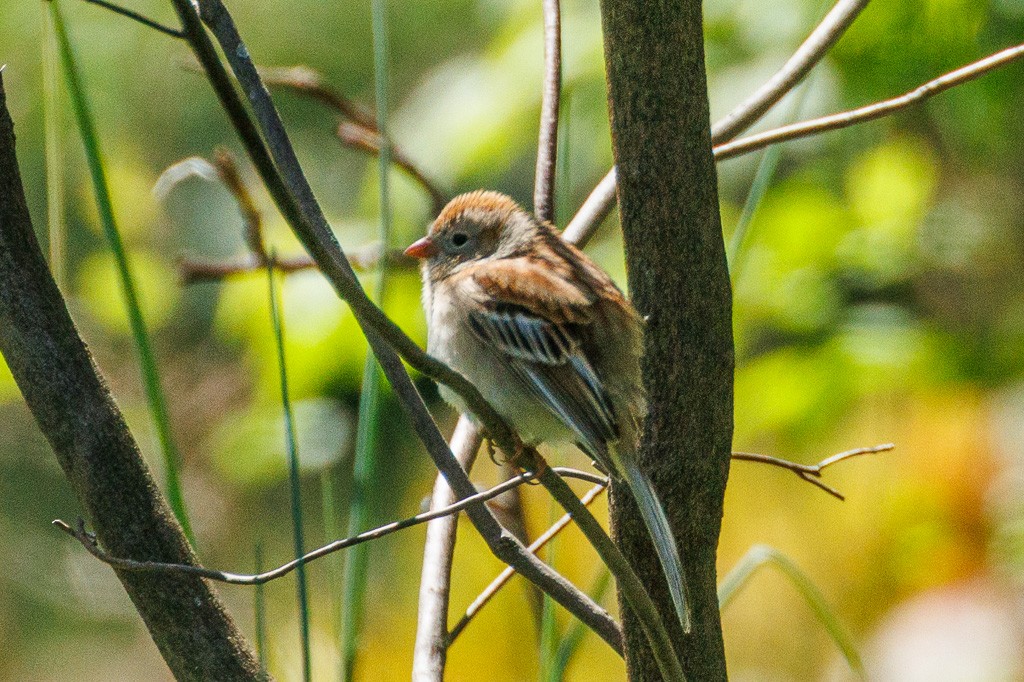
(150, 374)
(761, 555)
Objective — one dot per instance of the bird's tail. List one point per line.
(661, 533)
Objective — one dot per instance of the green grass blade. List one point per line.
(548, 626)
(293, 473)
(332, 531)
(573, 638)
(150, 374)
(259, 603)
(762, 180)
(364, 473)
(761, 555)
(53, 149)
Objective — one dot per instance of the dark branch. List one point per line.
(75, 411)
(135, 16)
(291, 190)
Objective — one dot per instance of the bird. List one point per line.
(547, 338)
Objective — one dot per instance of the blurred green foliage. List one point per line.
(880, 300)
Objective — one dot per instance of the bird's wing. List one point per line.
(535, 319)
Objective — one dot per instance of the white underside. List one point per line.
(451, 340)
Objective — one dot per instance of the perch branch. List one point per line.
(89, 541)
(488, 593)
(812, 472)
(547, 139)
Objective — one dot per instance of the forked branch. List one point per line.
(812, 472)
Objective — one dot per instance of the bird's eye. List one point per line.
(459, 239)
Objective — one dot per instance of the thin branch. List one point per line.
(812, 472)
(308, 82)
(488, 593)
(598, 204)
(252, 219)
(135, 16)
(431, 647)
(123, 564)
(193, 271)
(817, 45)
(808, 472)
(870, 112)
(368, 141)
(359, 131)
(602, 199)
(547, 140)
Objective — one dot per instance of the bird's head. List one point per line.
(474, 227)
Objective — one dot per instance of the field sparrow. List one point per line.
(546, 337)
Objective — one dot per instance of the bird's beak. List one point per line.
(423, 248)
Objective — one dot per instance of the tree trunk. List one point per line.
(679, 281)
(74, 410)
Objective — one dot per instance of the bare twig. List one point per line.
(817, 45)
(870, 112)
(598, 204)
(123, 564)
(431, 647)
(368, 141)
(193, 271)
(812, 472)
(135, 16)
(547, 140)
(251, 217)
(488, 593)
(306, 81)
(359, 131)
(602, 199)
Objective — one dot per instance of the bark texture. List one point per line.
(78, 416)
(679, 280)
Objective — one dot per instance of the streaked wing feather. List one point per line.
(550, 361)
